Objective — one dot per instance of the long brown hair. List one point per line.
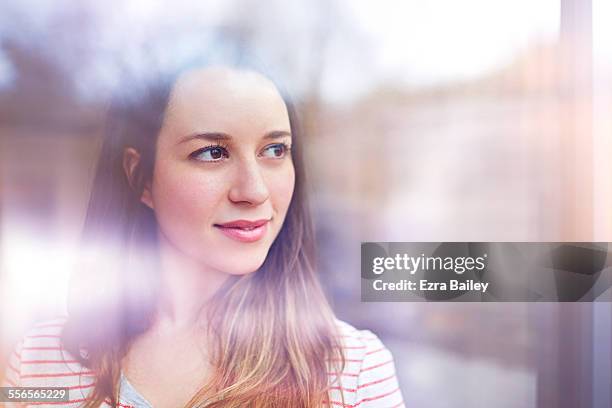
(272, 335)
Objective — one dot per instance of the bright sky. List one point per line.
(602, 32)
(424, 43)
(439, 40)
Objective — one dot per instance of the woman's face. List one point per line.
(223, 176)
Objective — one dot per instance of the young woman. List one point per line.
(197, 286)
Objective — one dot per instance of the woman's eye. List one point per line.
(275, 151)
(210, 154)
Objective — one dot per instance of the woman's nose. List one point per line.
(249, 184)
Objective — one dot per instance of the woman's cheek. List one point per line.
(185, 201)
(282, 185)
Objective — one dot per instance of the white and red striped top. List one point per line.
(368, 379)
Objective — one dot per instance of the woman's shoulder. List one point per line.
(368, 377)
(351, 334)
(40, 360)
(363, 343)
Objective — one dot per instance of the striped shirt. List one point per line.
(368, 379)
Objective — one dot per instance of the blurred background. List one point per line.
(473, 120)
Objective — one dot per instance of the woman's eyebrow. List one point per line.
(276, 134)
(220, 136)
(211, 136)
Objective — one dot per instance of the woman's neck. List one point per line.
(186, 287)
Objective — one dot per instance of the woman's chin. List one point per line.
(242, 265)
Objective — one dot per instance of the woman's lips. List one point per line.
(243, 230)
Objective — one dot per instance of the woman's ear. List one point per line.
(131, 158)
